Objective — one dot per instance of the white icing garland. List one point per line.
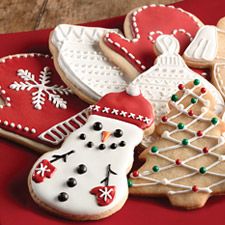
(167, 135)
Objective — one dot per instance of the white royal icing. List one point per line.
(204, 46)
(80, 201)
(82, 61)
(133, 90)
(159, 82)
(168, 135)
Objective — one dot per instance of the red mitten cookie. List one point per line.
(134, 53)
(37, 109)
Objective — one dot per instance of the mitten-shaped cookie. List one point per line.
(207, 51)
(36, 109)
(160, 81)
(81, 64)
(134, 52)
(86, 178)
(187, 164)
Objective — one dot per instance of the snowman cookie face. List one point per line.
(86, 177)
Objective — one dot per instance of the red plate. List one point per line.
(16, 205)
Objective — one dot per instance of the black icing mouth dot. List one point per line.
(122, 144)
(113, 146)
(63, 196)
(81, 169)
(82, 136)
(90, 144)
(118, 133)
(101, 146)
(71, 182)
(97, 126)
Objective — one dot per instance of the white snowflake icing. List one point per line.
(42, 169)
(106, 193)
(43, 91)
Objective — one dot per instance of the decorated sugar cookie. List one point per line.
(37, 109)
(187, 163)
(81, 64)
(160, 81)
(207, 50)
(134, 53)
(86, 179)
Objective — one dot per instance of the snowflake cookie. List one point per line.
(86, 178)
(187, 164)
(37, 109)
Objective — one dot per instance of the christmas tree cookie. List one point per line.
(187, 164)
(86, 179)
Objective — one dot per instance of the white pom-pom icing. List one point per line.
(133, 90)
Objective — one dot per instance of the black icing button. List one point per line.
(101, 146)
(90, 144)
(81, 169)
(97, 126)
(122, 143)
(113, 146)
(82, 136)
(63, 196)
(71, 182)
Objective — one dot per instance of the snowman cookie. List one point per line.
(86, 179)
(187, 163)
(134, 53)
(207, 50)
(81, 64)
(160, 81)
(36, 108)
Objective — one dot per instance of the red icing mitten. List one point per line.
(38, 110)
(104, 194)
(134, 53)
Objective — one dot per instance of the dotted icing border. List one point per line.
(137, 35)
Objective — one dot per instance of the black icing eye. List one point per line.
(97, 126)
(118, 133)
(63, 196)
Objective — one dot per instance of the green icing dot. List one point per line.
(196, 82)
(214, 120)
(130, 183)
(154, 149)
(174, 98)
(185, 141)
(202, 170)
(180, 126)
(155, 168)
(194, 100)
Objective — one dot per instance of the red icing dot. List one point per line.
(203, 90)
(164, 118)
(199, 133)
(195, 188)
(178, 162)
(135, 173)
(181, 86)
(205, 150)
(191, 113)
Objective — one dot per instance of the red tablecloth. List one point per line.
(16, 205)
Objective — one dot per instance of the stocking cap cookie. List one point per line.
(86, 179)
(207, 50)
(187, 163)
(81, 64)
(134, 53)
(125, 106)
(38, 110)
